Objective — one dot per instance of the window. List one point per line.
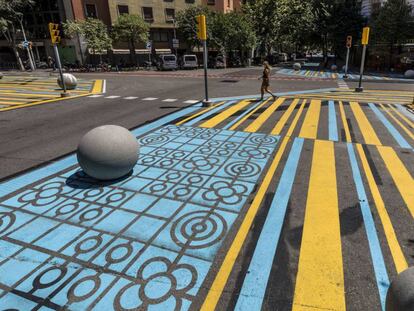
(123, 9)
(147, 14)
(169, 15)
(211, 2)
(189, 1)
(168, 0)
(91, 10)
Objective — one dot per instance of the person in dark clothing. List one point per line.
(266, 80)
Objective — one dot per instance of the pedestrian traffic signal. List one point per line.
(201, 27)
(365, 36)
(348, 41)
(54, 33)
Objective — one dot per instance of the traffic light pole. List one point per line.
(55, 49)
(361, 71)
(346, 63)
(206, 101)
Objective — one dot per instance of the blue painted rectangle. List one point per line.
(333, 128)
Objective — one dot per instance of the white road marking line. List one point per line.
(104, 86)
(130, 97)
(169, 100)
(150, 98)
(96, 95)
(112, 96)
(191, 101)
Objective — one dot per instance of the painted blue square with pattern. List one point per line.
(94, 245)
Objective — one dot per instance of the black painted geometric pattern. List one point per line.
(145, 241)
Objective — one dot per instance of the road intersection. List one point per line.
(303, 202)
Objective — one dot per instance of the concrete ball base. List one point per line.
(70, 81)
(108, 152)
(409, 74)
(297, 66)
(400, 295)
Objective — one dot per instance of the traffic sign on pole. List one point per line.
(201, 27)
(175, 43)
(348, 47)
(364, 41)
(365, 36)
(202, 35)
(149, 45)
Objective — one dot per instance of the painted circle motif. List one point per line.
(49, 277)
(84, 288)
(153, 140)
(90, 214)
(265, 140)
(7, 220)
(118, 253)
(67, 208)
(198, 229)
(88, 245)
(242, 169)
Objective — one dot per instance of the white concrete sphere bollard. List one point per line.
(409, 74)
(70, 81)
(400, 295)
(1, 75)
(108, 152)
(334, 67)
(297, 66)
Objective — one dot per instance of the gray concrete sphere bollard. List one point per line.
(409, 74)
(334, 67)
(70, 81)
(400, 295)
(297, 66)
(108, 152)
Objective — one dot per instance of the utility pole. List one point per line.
(348, 47)
(55, 37)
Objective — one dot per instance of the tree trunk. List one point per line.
(133, 57)
(390, 58)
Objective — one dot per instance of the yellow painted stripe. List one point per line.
(405, 129)
(238, 123)
(345, 122)
(225, 114)
(402, 178)
(199, 113)
(42, 102)
(223, 273)
(365, 127)
(28, 95)
(310, 124)
(320, 278)
(97, 87)
(408, 121)
(281, 123)
(256, 124)
(395, 248)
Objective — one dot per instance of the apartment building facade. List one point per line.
(368, 6)
(224, 6)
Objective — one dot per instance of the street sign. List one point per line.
(201, 27)
(25, 44)
(175, 43)
(365, 36)
(349, 41)
(149, 45)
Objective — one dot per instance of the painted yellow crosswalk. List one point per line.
(320, 277)
(310, 124)
(19, 92)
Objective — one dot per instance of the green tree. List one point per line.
(392, 24)
(265, 19)
(132, 29)
(93, 31)
(296, 23)
(11, 15)
(187, 25)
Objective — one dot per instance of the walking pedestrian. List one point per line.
(266, 80)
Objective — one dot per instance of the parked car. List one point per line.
(167, 62)
(216, 62)
(189, 61)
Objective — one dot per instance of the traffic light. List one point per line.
(348, 41)
(365, 36)
(201, 27)
(54, 32)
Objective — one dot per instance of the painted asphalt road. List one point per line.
(290, 204)
(35, 135)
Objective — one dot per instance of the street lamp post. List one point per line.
(27, 47)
